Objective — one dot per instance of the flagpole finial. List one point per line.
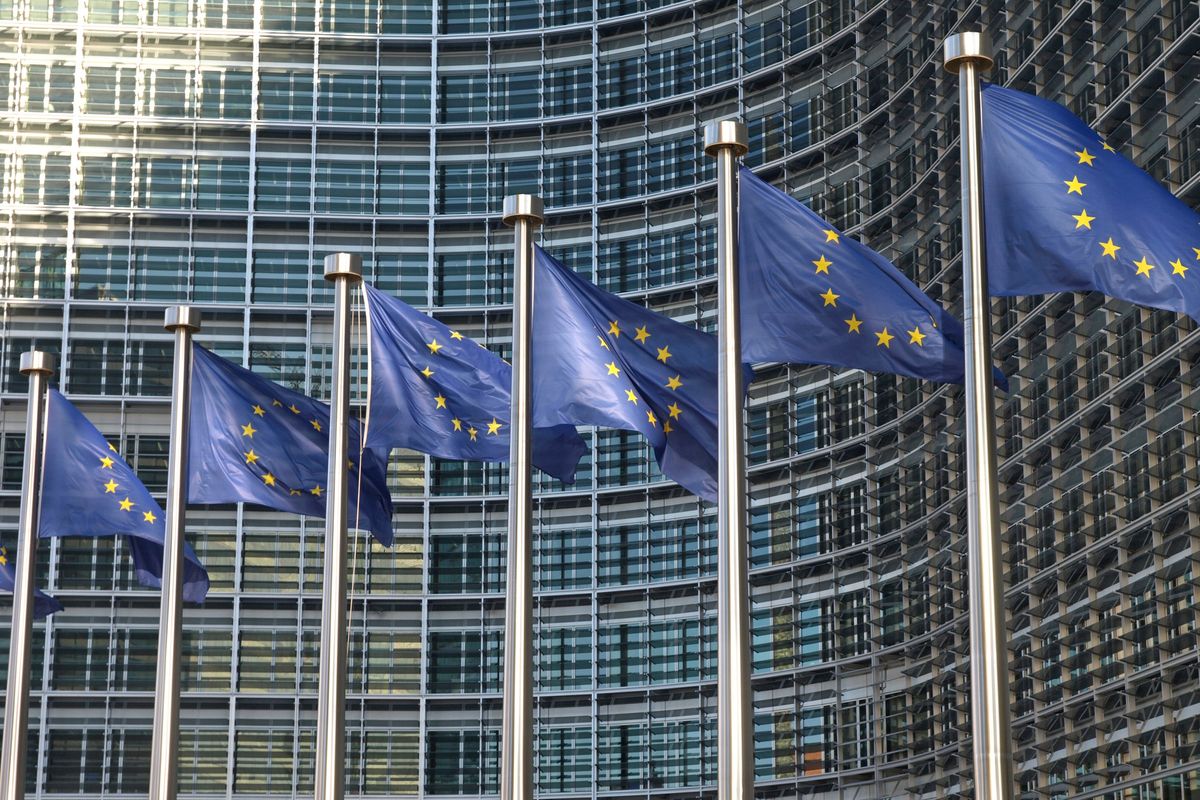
(343, 265)
(182, 317)
(523, 206)
(37, 361)
(726, 133)
(969, 46)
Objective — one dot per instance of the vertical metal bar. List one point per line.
(727, 141)
(968, 55)
(37, 366)
(524, 212)
(183, 321)
(344, 270)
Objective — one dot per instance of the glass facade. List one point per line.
(213, 151)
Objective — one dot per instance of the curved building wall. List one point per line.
(212, 151)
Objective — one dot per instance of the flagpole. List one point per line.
(524, 212)
(183, 321)
(344, 270)
(38, 366)
(968, 55)
(727, 141)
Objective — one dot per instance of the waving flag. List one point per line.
(43, 604)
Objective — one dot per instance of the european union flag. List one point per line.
(601, 360)
(89, 490)
(43, 604)
(1065, 212)
(811, 295)
(253, 441)
(436, 391)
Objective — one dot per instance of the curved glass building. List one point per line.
(213, 151)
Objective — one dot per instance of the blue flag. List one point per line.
(811, 295)
(436, 391)
(89, 490)
(43, 604)
(1065, 212)
(253, 441)
(601, 360)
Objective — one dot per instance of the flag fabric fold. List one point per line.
(89, 490)
(43, 604)
(811, 295)
(1065, 212)
(599, 359)
(254, 441)
(436, 391)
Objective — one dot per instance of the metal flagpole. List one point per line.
(345, 270)
(967, 55)
(183, 321)
(524, 212)
(727, 141)
(38, 366)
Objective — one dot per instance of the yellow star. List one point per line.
(248, 430)
(269, 479)
(674, 410)
(916, 337)
(1074, 186)
(493, 427)
(613, 369)
(259, 411)
(830, 298)
(1178, 268)
(1082, 220)
(113, 449)
(457, 424)
(831, 236)
(455, 335)
(106, 462)
(823, 264)
(603, 342)
(427, 372)
(316, 490)
(292, 408)
(1106, 147)
(111, 486)
(1110, 249)
(1085, 157)
(434, 346)
(3, 556)
(667, 427)
(884, 339)
(471, 432)
(149, 516)
(663, 354)
(1197, 249)
(277, 403)
(613, 329)
(674, 383)
(1144, 267)
(251, 457)
(126, 504)
(651, 418)
(316, 425)
(440, 400)
(631, 396)
(642, 334)
(294, 492)
(854, 323)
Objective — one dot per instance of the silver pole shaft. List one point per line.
(969, 54)
(726, 141)
(38, 366)
(344, 270)
(524, 212)
(183, 321)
